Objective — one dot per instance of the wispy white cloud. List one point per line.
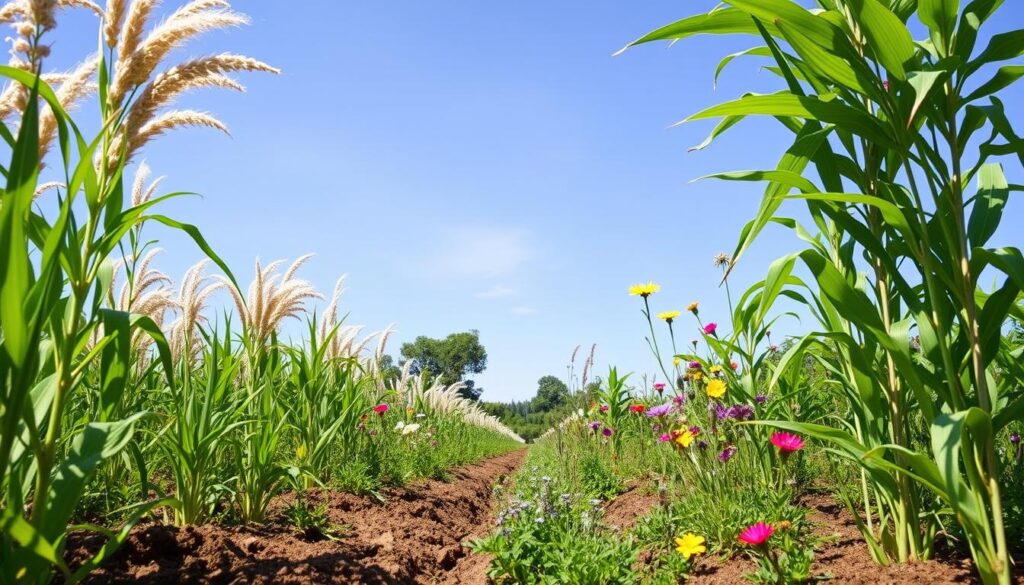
(497, 291)
(522, 311)
(481, 252)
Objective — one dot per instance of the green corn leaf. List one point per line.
(30, 539)
(1004, 77)
(940, 17)
(753, 52)
(813, 26)
(922, 82)
(719, 21)
(987, 212)
(96, 442)
(1001, 47)
(888, 37)
(781, 177)
(825, 63)
(785, 104)
(726, 123)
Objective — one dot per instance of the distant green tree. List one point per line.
(450, 359)
(551, 393)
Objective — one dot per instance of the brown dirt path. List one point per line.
(627, 508)
(415, 536)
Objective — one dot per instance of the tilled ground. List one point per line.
(414, 536)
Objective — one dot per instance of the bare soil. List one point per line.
(630, 506)
(415, 536)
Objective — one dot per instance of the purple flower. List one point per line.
(740, 412)
(720, 412)
(607, 432)
(694, 365)
(679, 400)
(655, 429)
(710, 328)
(761, 398)
(702, 444)
(660, 410)
(727, 454)
(1015, 438)
(694, 430)
(594, 425)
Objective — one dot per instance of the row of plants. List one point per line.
(119, 404)
(895, 156)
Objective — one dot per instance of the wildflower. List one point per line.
(668, 316)
(715, 369)
(716, 388)
(604, 408)
(695, 365)
(660, 410)
(659, 387)
(692, 307)
(773, 349)
(685, 438)
(702, 444)
(594, 425)
(696, 375)
(420, 415)
(727, 454)
(665, 438)
(607, 432)
(644, 290)
(783, 526)
(734, 366)
(761, 398)
(885, 84)
(710, 328)
(679, 400)
(787, 442)
(756, 535)
(690, 544)
(1015, 438)
(695, 430)
(721, 259)
(381, 409)
(637, 408)
(409, 411)
(410, 429)
(300, 451)
(400, 425)
(655, 428)
(741, 412)
(676, 361)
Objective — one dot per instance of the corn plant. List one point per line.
(888, 136)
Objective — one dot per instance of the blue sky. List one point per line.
(479, 165)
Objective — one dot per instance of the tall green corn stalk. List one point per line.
(53, 275)
(888, 136)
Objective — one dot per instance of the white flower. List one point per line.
(410, 429)
(400, 426)
(420, 415)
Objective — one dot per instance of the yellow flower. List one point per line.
(644, 290)
(716, 388)
(696, 375)
(692, 307)
(676, 361)
(685, 438)
(669, 315)
(716, 369)
(690, 544)
(300, 451)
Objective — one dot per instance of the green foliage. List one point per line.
(886, 142)
(450, 359)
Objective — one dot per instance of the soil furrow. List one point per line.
(414, 536)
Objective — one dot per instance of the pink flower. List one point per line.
(607, 432)
(710, 328)
(787, 442)
(665, 438)
(380, 409)
(659, 387)
(757, 534)
(734, 366)
(604, 408)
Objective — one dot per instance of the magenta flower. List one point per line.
(594, 425)
(787, 442)
(727, 454)
(694, 365)
(660, 410)
(381, 409)
(604, 408)
(607, 432)
(710, 328)
(659, 387)
(756, 535)
(665, 438)
(679, 400)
